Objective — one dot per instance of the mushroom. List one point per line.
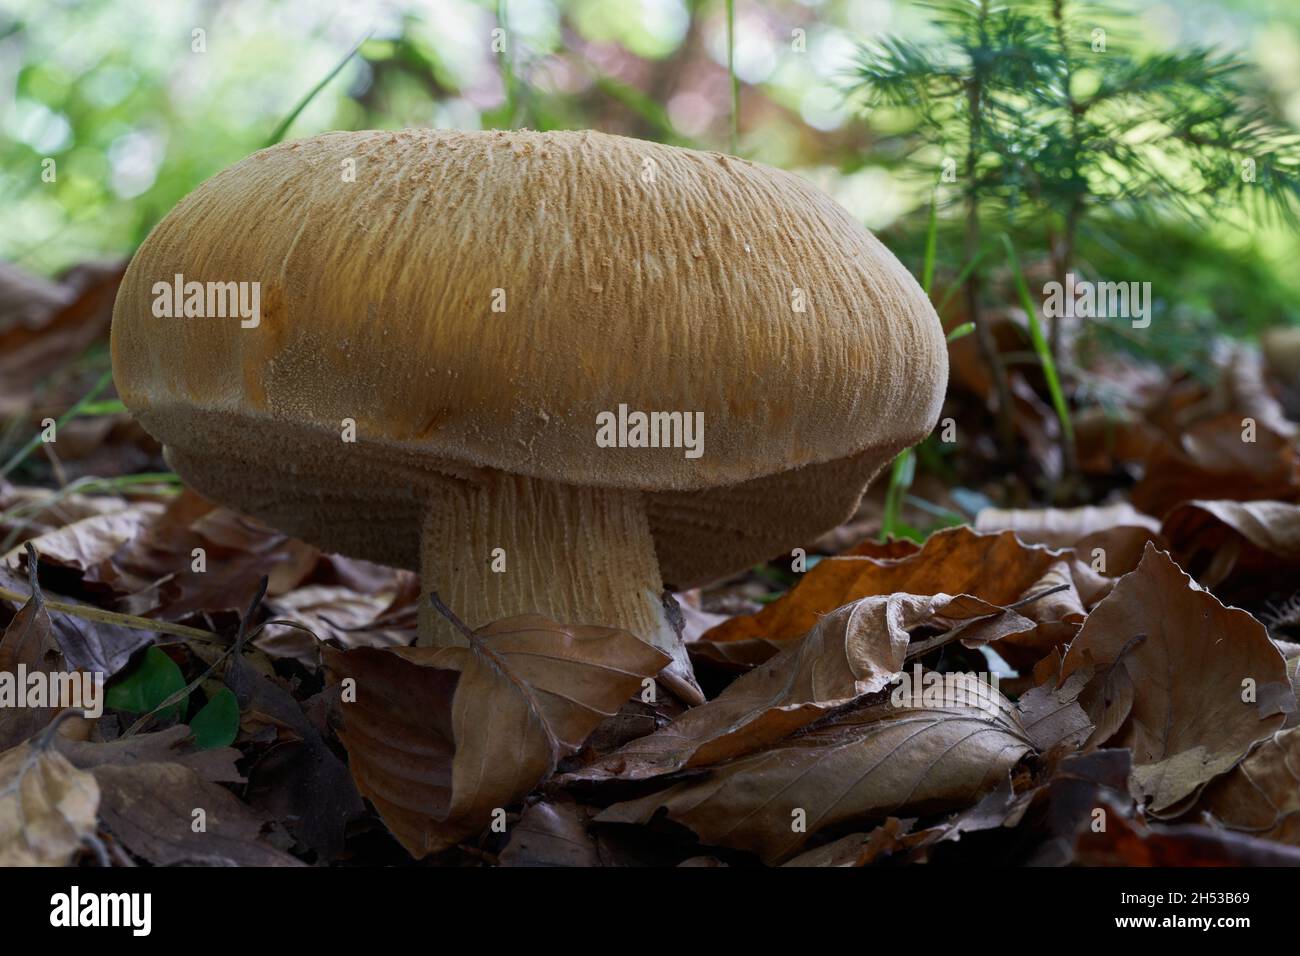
(466, 343)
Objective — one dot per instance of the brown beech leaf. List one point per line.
(440, 737)
(30, 353)
(157, 573)
(90, 543)
(862, 849)
(1106, 441)
(1261, 795)
(1077, 786)
(1293, 673)
(27, 643)
(1214, 539)
(855, 650)
(150, 808)
(1127, 842)
(552, 834)
(151, 784)
(172, 745)
(1211, 461)
(995, 568)
(871, 762)
(1110, 538)
(300, 781)
(332, 613)
(1191, 717)
(1054, 619)
(47, 807)
(1245, 390)
(1000, 807)
(1052, 715)
(1107, 698)
(28, 301)
(1063, 527)
(735, 656)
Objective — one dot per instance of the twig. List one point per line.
(99, 615)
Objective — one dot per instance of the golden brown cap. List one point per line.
(627, 272)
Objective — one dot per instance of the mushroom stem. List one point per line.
(509, 545)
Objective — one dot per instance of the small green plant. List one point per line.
(1039, 117)
(1103, 127)
(962, 92)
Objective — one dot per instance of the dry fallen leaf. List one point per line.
(1055, 617)
(332, 613)
(992, 567)
(552, 834)
(30, 353)
(872, 762)
(1129, 843)
(47, 807)
(1192, 717)
(439, 738)
(90, 543)
(27, 644)
(1211, 461)
(153, 810)
(862, 849)
(1052, 715)
(1217, 539)
(1063, 527)
(1245, 390)
(300, 781)
(855, 650)
(1261, 795)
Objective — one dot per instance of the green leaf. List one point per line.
(217, 724)
(901, 474)
(961, 331)
(1040, 342)
(301, 105)
(931, 244)
(147, 685)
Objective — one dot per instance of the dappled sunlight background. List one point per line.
(114, 92)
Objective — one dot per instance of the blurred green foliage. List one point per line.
(137, 102)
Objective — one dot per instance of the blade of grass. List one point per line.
(901, 474)
(110, 406)
(939, 511)
(16, 515)
(957, 283)
(285, 123)
(507, 64)
(961, 331)
(21, 454)
(1040, 344)
(931, 244)
(731, 73)
(645, 107)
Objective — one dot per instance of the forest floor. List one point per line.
(1089, 666)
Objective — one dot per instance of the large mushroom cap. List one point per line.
(630, 273)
